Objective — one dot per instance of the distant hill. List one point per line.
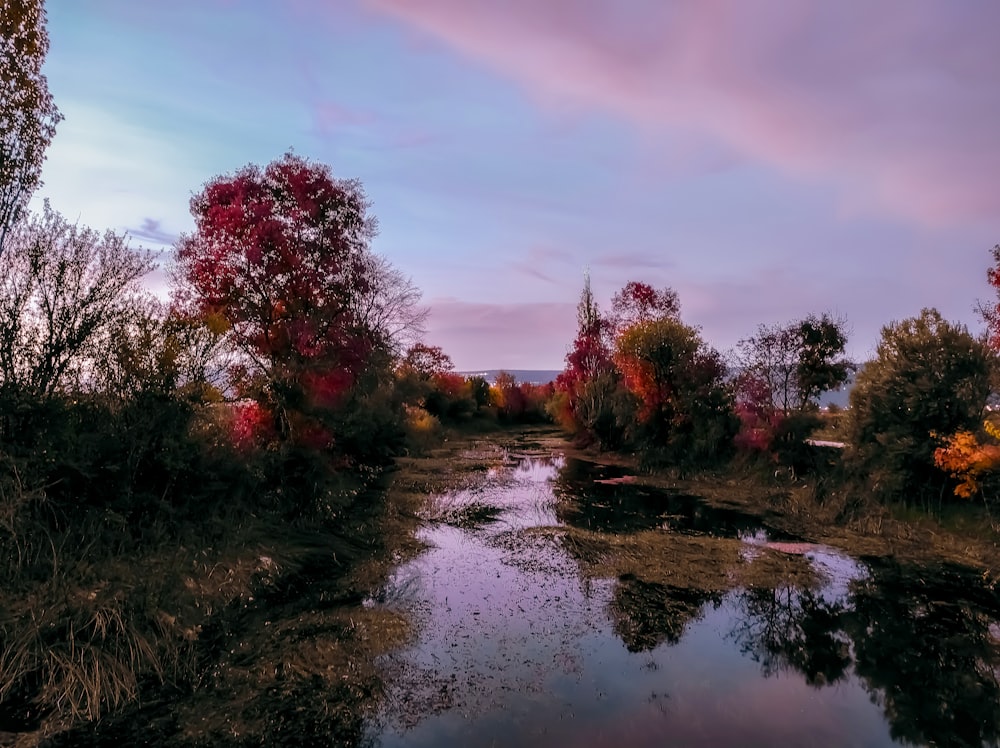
(531, 376)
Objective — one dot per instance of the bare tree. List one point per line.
(389, 307)
(63, 287)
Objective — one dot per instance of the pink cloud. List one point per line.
(896, 102)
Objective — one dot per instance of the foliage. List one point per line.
(579, 403)
(684, 408)
(796, 362)
(425, 361)
(281, 254)
(964, 457)
(783, 369)
(821, 365)
(590, 355)
(639, 302)
(28, 116)
(929, 377)
(65, 293)
(759, 419)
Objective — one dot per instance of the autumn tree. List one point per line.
(585, 389)
(639, 302)
(28, 116)
(424, 361)
(930, 379)
(685, 413)
(426, 378)
(590, 355)
(282, 254)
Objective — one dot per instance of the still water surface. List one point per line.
(517, 647)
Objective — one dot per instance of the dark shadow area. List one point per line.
(923, 641)
(590, 504)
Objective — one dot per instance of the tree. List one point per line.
(65, 289)
(930, 379)
(991, 312)
(685, 413)
(822, 366)
(28, 116)
(424, 361)
(797, 362)
(590, 353)
(581, 405)
(639, 302)
(388, 306)
(281, 253)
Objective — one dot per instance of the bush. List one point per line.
(930, 379)
(685, 414)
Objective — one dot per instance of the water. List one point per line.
(516, 645)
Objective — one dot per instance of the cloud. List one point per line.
(895, 102)
(496, 336)
(150, 231)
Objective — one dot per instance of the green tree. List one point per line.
(797, 362)
(930, 378)
(28, 116)
(685, 411)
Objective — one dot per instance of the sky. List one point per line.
(766, 160)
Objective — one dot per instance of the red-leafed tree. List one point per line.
(639, 302)
(590, 355)
(281, 253)
(586, 384)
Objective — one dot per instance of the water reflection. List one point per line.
(520, 646)
(785, 628)
(925, 649)
(591, 500)
(646, 614)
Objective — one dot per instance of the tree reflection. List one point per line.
(785, 628)
(922, 641)
(647, 614)
(923, 646)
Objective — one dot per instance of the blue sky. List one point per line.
(767, 160)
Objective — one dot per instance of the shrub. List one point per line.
(930, 377)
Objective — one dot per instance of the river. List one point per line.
(525, 638)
